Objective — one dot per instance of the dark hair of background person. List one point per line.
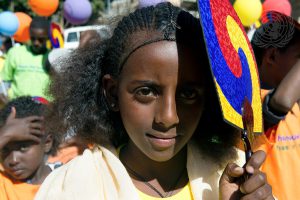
(267, 30)
(25, 107)
(79, 101)
(40, 23)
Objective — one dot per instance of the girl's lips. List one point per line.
(161, 143)
(160, 136)
(17, 172)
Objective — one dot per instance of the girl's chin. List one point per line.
(161, 156)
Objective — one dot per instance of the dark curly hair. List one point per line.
(25, 107)
(78, 92)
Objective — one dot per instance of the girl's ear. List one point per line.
(110, 92)
(48, 143)
(270, 56)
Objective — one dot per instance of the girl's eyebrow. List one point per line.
(144, 82)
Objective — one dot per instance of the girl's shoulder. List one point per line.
(65, 181)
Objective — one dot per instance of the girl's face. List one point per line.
(160, 97)
(23, 159)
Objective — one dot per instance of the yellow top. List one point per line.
(184, 194)
(1, 63)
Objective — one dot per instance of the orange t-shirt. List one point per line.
(10, 190)
(65, 155)
(282, 145)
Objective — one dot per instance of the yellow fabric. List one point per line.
(184, 194)
(98, 174)
(10, 190)
(1, 63)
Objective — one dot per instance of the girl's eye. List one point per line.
(145, 94)
(24, 148)
(4, 151)
(145, 91)
(189, 95)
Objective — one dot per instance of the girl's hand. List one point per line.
(234, 186)
(19, 129)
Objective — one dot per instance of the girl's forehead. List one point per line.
(163, 58)
(139, 39)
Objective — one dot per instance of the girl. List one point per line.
(145, 97)
(24, 148)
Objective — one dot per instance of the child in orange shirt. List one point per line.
(278, 62)
(24, 146)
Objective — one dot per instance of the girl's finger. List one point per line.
(255, 161)
(263, 193)
(36, 132)
(34, 118)
(36, 125)
(231, 172)
(253, 183)
(33, 138)
(12, 114)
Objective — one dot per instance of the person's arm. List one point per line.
(280, 101)
(288, 92)
(14, 129)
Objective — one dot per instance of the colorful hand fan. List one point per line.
(56, 36)
(233, 67)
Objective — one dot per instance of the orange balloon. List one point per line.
(22, 34)
(43, 7)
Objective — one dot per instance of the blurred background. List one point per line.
(71, 17)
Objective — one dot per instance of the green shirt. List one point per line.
(26, 73)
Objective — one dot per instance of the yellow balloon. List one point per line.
(249, 11)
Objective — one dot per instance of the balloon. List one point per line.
(22, 34)
(77, 11)
(249, 11)
(9, 23)
(281, 6)
(145, 3)
(43, 7)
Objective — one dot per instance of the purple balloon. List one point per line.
(146, 3)
(77, 11)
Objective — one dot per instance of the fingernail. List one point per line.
(242, 190)
(238, 170)
(250, 169)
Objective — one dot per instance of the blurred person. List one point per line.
(25, 67)
(279, 69)
(24, 147)
(5, 45)
(88, 37)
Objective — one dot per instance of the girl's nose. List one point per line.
(14, 159)
(166, 115)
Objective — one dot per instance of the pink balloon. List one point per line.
(281, 6)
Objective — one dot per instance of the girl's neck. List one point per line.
(165, 174)
(39, 176)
